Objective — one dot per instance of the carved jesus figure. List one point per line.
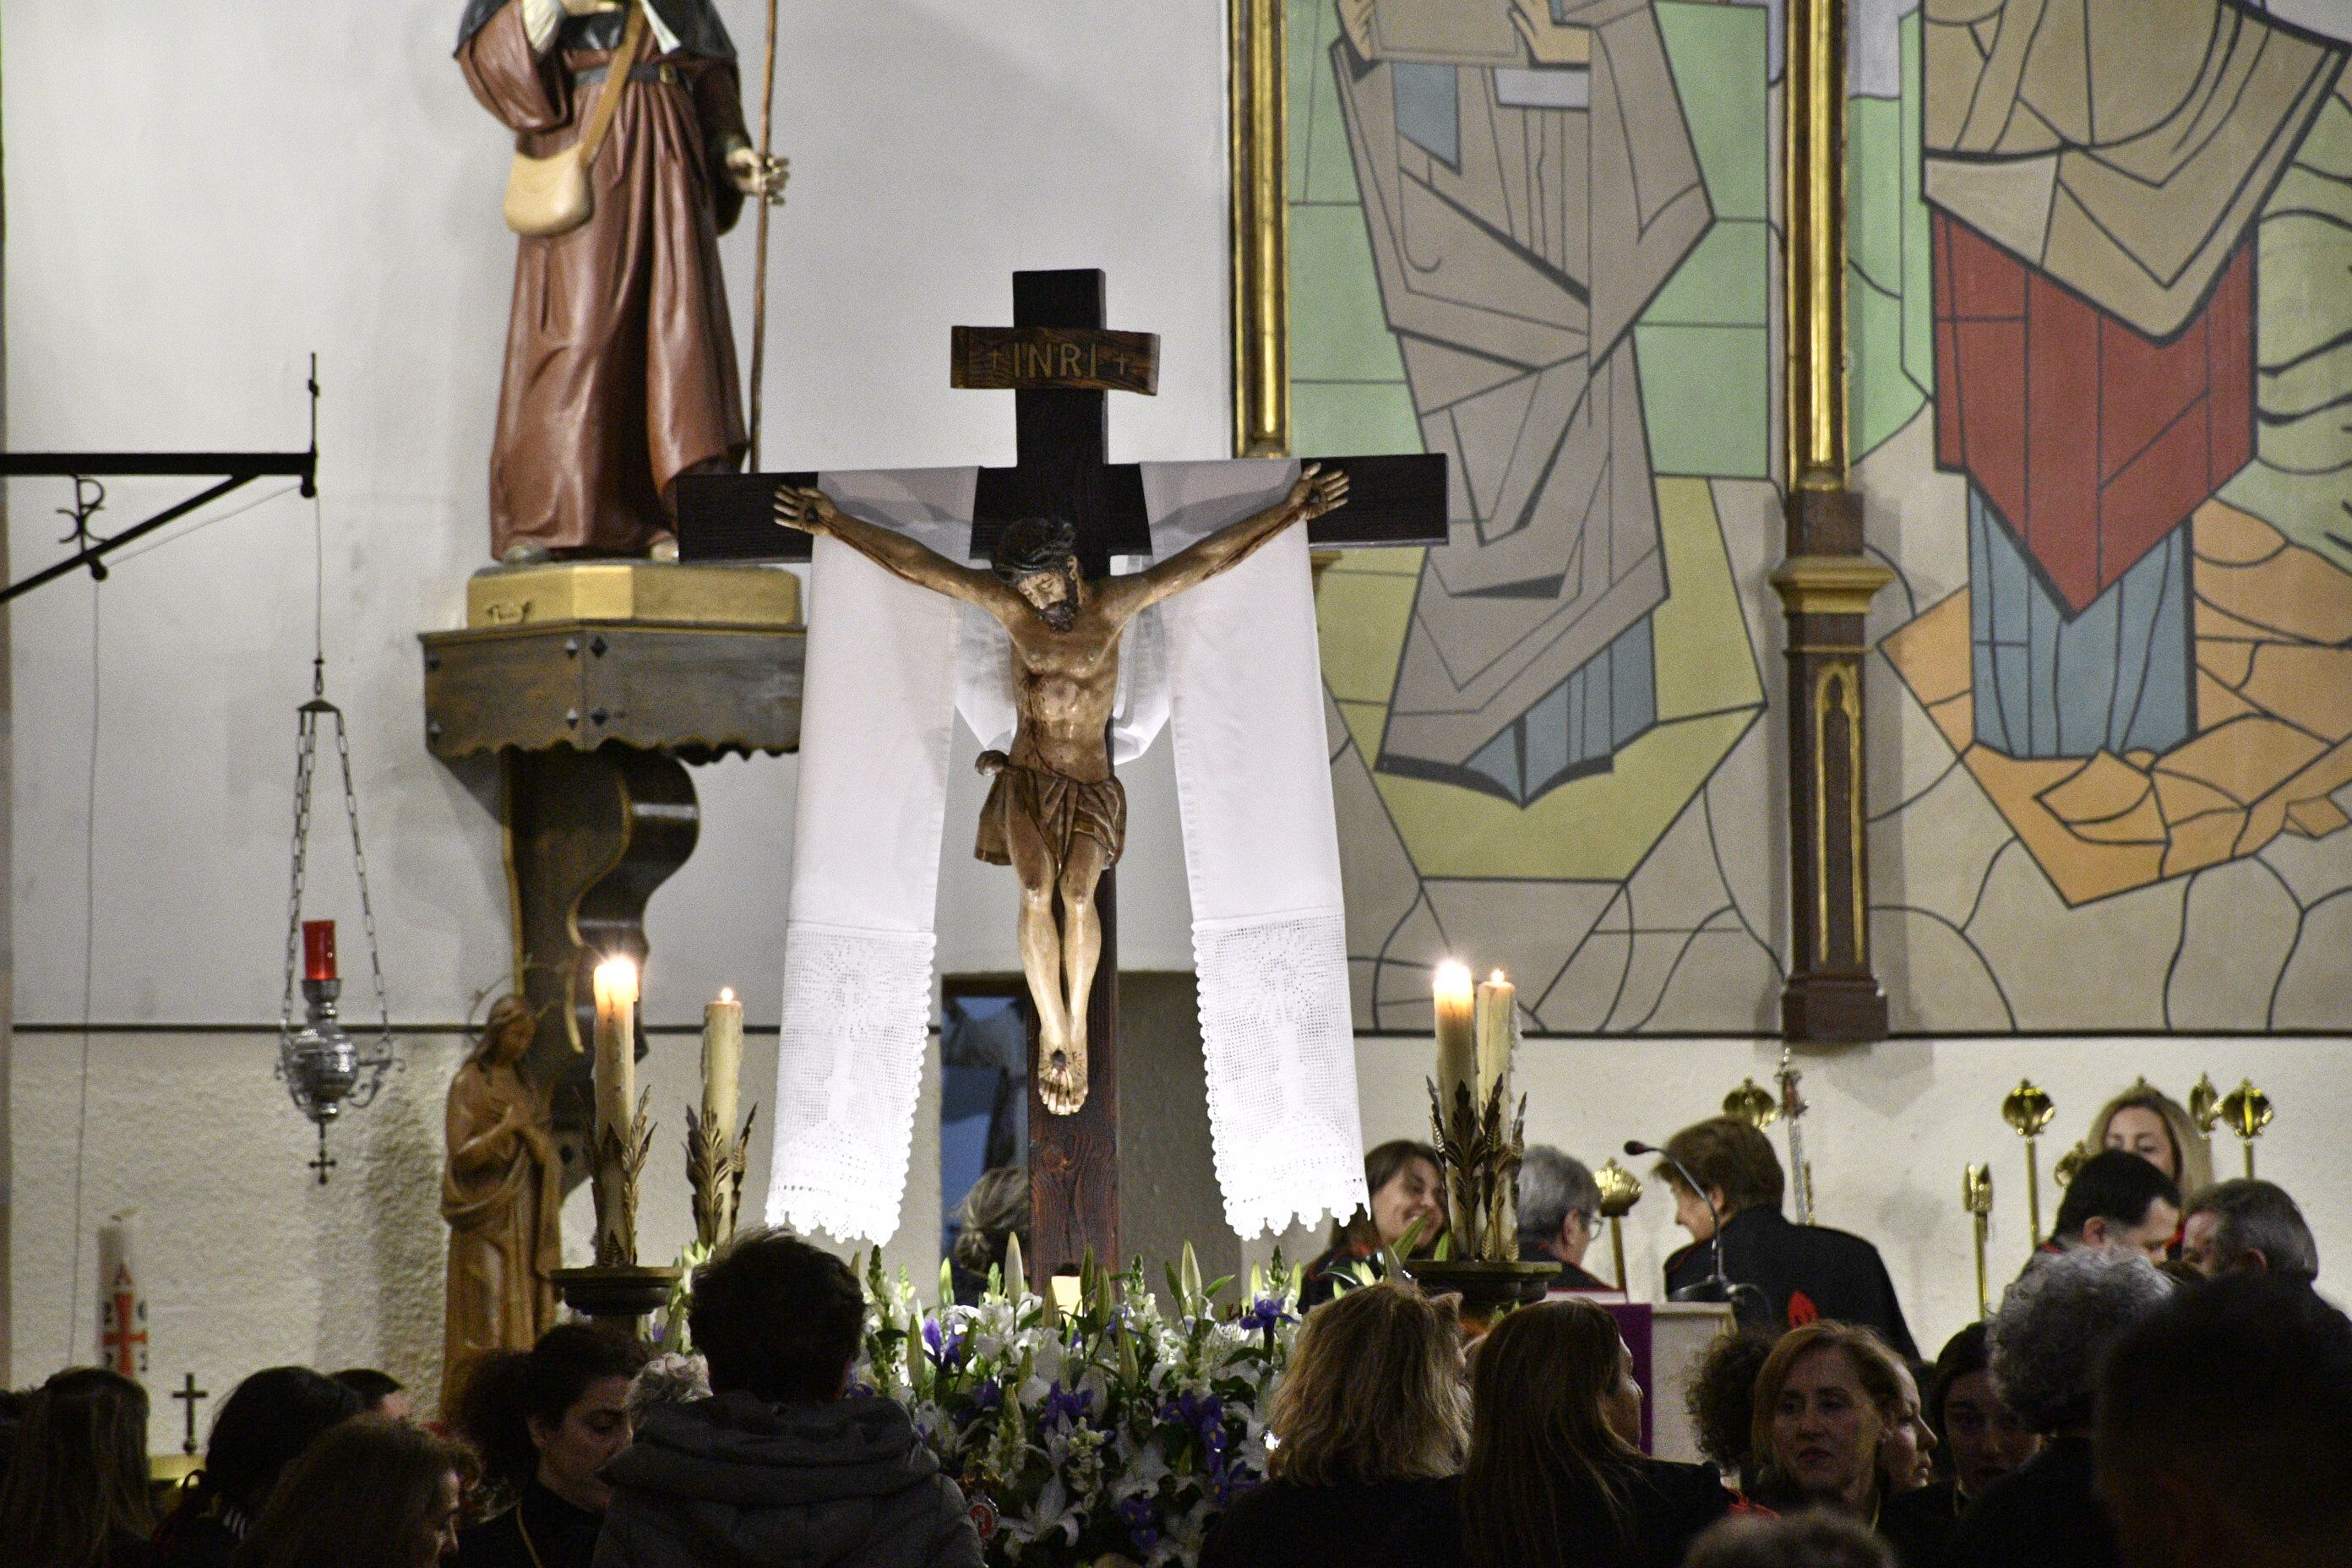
(1056, 813)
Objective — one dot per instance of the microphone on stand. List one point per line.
(1718, 1285)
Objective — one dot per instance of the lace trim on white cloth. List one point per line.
(857, 1018)
(1281, 1059)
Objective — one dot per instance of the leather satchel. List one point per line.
(551, 196)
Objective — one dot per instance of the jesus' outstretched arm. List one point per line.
(1316, 494)
(813, 511)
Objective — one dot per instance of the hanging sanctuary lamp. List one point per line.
(324, 1068)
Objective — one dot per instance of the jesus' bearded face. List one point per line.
(1053, 596)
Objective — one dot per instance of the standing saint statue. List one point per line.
(502, 1195)
(620, 366)
(1056, 814)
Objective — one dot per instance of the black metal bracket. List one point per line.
(240, 469)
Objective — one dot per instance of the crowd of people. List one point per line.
(2161, 1386)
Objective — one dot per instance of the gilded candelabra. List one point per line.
(2028, 1111)
(1479, 1165)
(1621, 1189)
(1976, 1197)
(2247, 1110)
(714, 1170)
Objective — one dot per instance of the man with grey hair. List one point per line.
(2248, 1226)
(2055, 1326)
(1559, 1215)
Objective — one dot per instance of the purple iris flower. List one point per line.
(946, 1348)
(989, 1395)
(1264, 1314)
(1062, 1405)
(1142, 1522)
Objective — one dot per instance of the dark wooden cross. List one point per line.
(1058, 360)
(189, 1394)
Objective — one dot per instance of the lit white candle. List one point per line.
(722, 1062)
(616, 1100)
(1498, 1038)
(1457, 1031)
(1498, 1035)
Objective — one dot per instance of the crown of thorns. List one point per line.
(1034, 547)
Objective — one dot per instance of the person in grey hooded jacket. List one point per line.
(778, 1469)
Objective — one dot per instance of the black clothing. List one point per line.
(735, 1481)
(2043, 1514)
(1667, 1505)
(1570, 1276)
(566, 1536)
(1919, 1525)
(1323, 1277)
(1805, 1272)
(1916, 1525)
(1353, 1525)
(197, 1535)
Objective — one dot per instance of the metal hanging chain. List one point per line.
(305, 763)
(358, 864)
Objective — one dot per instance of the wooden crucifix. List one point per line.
(1058, 360)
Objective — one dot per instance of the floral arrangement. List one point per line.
(1108, 1432)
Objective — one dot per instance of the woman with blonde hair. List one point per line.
(76, 1494)
(1555, 1477)
(1368, 1426)
(2144, 1121)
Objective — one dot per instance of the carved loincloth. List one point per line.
(1064, 808)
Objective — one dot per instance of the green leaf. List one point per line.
(947, 1283)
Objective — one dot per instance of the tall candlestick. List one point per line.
(1498, 1038)
(616, 1097)
(1497, 1014)
(1457, 1068)
(1457, 1030)
(722, 1062)
(317, 950)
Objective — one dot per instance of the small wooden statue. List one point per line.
(503, 1194)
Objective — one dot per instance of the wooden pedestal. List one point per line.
(595, 684)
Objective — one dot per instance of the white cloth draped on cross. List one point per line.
(1231, 668)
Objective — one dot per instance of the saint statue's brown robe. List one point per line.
(620, 367)
(503, 1194)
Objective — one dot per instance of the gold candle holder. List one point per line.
(1753, 1103)
(2028, 1111)
(1976, 1197)
(2247, 1110)
(1621, 1189)
(2205, 1110)
(2072, 1161)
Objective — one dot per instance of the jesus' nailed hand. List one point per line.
(1056, 814)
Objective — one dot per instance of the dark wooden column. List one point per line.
(1826, 581)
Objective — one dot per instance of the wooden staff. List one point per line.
(760, 241)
